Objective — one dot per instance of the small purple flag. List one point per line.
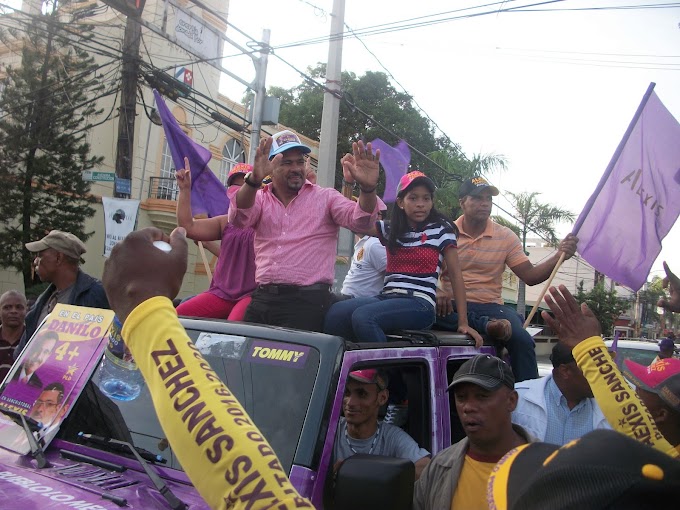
(208, 194)
(395, 161)
(636, 203)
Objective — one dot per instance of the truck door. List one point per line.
(411, 404)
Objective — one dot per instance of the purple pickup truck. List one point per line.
(290, 382)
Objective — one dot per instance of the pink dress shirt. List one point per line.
(296, 245)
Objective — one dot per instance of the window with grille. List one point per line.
(232, 153)
(167, 186)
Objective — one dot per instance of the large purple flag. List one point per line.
(395, 161)
(208, 194)
(638, 198)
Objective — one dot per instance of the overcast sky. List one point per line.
(553, 91)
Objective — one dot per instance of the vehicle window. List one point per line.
(643, 357)
(457, 432)
(407, 406)
(272, 380)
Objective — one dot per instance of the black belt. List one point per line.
(280, 288)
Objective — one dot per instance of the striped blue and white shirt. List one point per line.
(417, 262)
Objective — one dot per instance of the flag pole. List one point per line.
(615, 158)
(205, 260)
(593, 197)
(545, 289)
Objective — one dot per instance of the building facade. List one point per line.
(152, 176)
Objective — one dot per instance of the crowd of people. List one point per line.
(499, 464)
(276, 266)
(415, 271)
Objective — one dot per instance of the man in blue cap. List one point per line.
(666, 348)
(296, 227)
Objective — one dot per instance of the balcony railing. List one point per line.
(163, 188)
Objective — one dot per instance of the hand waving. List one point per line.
(366, 166)
(262, 167)
(672, 282)
(572, 322)
(137, 270)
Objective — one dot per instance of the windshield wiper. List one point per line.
(116, 446)
(29, 425)
(174, 502)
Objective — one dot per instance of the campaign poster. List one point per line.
(52, 371)
(120, 216)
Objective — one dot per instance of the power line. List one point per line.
(410, 23)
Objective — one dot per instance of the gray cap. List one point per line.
(63, 242)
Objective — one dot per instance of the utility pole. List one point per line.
(128, 109)
(259, 86)
(328, 146)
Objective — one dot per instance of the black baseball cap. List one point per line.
(475, 186)
(486, 371)
(603, 469)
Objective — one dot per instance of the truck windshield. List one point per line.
(272, 380)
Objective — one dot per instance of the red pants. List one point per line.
(213, 307)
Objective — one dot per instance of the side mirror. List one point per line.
(367, 482)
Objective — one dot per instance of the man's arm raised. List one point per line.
(672, 282)
(262, 167)
(235, 466)
(580, 331)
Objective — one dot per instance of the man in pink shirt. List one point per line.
(296, 227)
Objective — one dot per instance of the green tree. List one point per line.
(534, 216)
(648, 297)
(46, 106)
(605, 304)
(459, 168)
(302, 106)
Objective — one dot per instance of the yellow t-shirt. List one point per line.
(623, 409)
(471, 489)
(222, 452)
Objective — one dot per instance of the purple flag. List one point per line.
(208, 194)
(636, 203)
(395, 161)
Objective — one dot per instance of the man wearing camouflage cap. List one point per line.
(57, 261)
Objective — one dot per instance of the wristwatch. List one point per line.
(251, 183)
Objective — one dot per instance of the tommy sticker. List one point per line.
(275, 353)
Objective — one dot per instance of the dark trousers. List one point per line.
(292, 308)
(520, 346)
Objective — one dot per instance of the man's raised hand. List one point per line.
(366, 167)
(262, 167)
(672, 282)
(137, 270)
(572, 322)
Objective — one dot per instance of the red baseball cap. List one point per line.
(370, 376)
(412, 179)
(238, 169)
(662, 378)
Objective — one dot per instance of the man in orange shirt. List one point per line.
(484, 249)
